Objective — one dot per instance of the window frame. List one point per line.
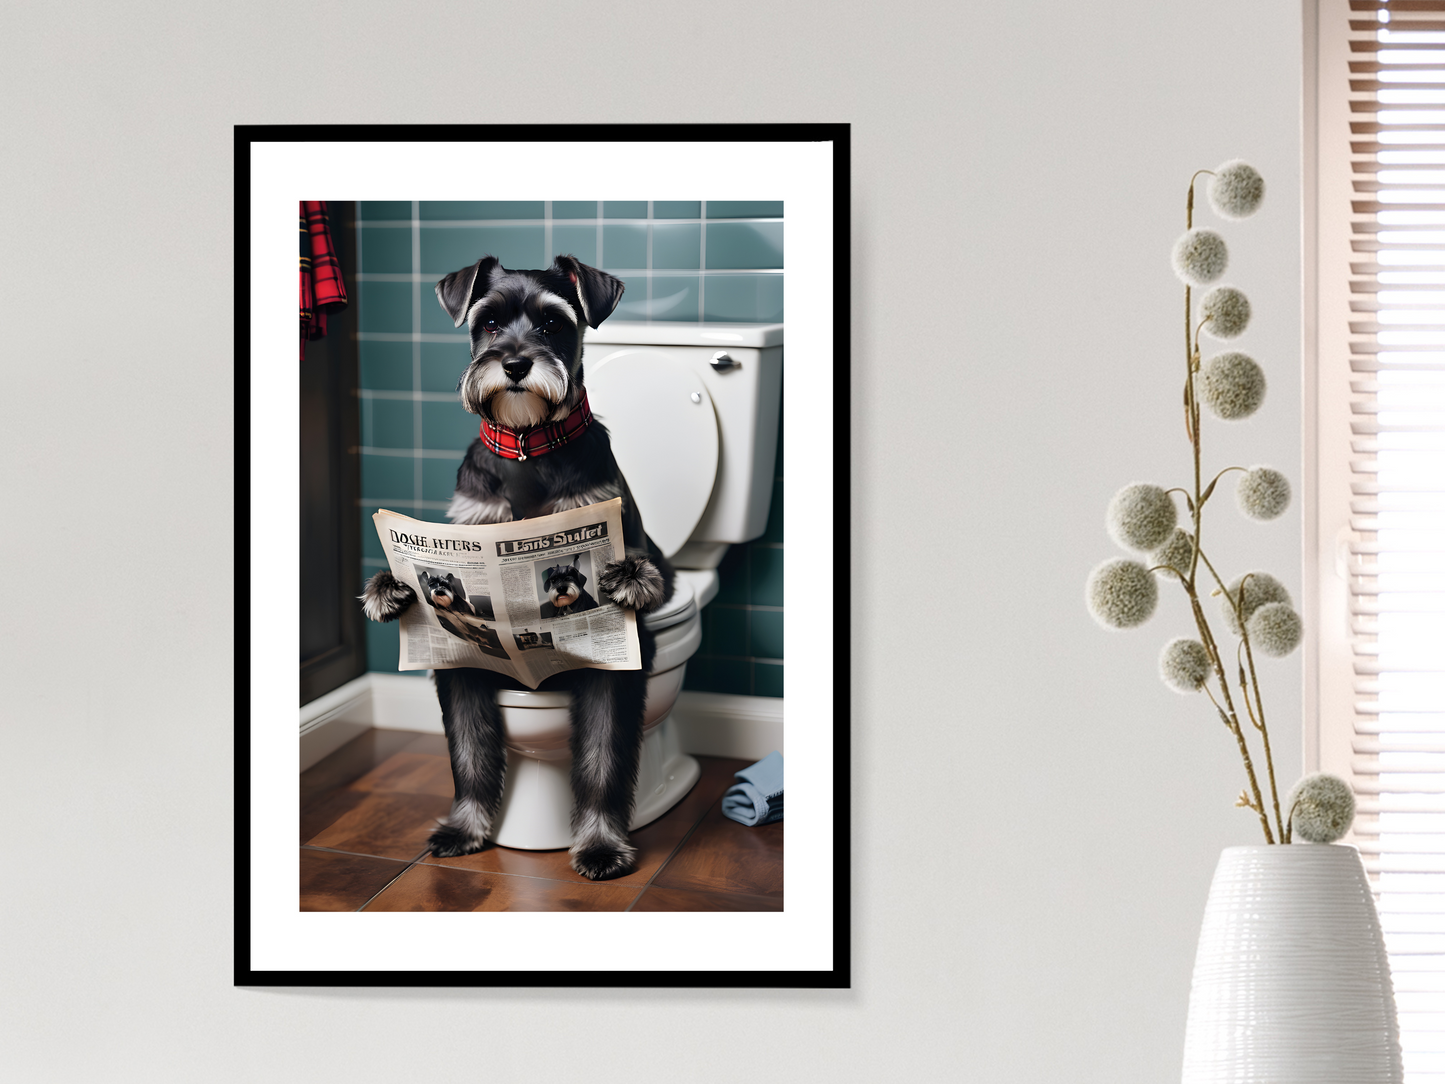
(1330, 211)
(1326, 186)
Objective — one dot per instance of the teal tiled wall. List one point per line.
(682, 261)
(742, 629)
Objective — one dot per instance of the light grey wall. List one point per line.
(1037, 818)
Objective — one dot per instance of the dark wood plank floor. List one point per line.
(367, 809)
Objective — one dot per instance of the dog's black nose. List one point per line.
(516, 368)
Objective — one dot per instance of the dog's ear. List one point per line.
(458, 290)
(597, 292)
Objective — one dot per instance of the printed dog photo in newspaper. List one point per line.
(563, 586)
(464, 616)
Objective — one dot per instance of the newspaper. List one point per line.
(483, 599)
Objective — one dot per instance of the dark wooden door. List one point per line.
(333, 633)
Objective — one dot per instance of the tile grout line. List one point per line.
(523, 876)
(423, 453)
(389, 883)
(656, 272)
(368, 416)
(671, 855)
(416, 405)
(702, 263)
(486, 223)
(752, 677)
(357, 854)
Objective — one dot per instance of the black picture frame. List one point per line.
(256, 622)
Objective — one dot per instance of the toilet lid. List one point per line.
(664, 435)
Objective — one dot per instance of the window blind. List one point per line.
(1394, 549)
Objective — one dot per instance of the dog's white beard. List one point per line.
(520, 411)
(543, 388)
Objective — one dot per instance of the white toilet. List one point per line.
(692, 410)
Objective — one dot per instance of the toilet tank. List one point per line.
(745, 387)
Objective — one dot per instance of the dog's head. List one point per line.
(563, 584)
(443, 592)
(526, 331)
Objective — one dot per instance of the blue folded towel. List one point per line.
(757, 797)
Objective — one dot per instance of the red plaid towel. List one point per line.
(322, 290)
(511, 444)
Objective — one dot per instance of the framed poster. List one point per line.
(691, 219)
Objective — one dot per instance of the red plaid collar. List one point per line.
(514, 444)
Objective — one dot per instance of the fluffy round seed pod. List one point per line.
(1226, 311)
(1263, 493)
(1261, 590)
(1184, 665)
(1141, 516)
(1232, 385)
(1121, 594)
(1176, 553)
(1320, 808)
(1236, 190)
(1275, 629)
(1200, 257)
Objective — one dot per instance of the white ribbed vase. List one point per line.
(1291, 983)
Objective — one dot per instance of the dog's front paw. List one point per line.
(635, 583)
(385, 598)
(450, 842)
(600, 861)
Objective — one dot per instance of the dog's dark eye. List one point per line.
(547, 325)
(490, 327)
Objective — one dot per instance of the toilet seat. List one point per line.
(664, 433)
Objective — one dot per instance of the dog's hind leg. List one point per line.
(473, 724)
(607, 709)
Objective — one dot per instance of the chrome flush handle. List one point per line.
(722, 361)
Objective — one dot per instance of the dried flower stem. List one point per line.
(1263, 730)
(1227, 711)
(1256, 712)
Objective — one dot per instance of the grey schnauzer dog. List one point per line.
(540, 452)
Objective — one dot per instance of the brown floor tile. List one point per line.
(409, 773)
(342, 882)
(385, 825)
(431, 744)
(352, 761)
(404, 771)
(654, 898)
(323, 811)
(437, 888)
(724, 856)
(654, 842)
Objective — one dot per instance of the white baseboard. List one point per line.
(725, 725)
(332, 720)
(710, 724)
(403, 702)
